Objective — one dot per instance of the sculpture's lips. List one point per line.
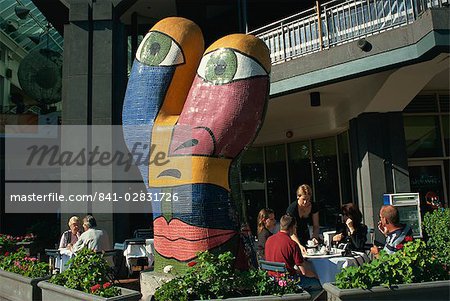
(182, 241)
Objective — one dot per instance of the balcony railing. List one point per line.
(337, 22)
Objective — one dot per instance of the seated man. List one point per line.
(281, 248)
(395, 232)
(92, 238)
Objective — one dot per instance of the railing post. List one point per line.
(282, 41)
(414, 9)
(319, 25)
(405, 5)
(326, 26)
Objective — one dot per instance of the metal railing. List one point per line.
(337, 22)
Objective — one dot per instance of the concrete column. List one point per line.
(94, 82)
(379, 161)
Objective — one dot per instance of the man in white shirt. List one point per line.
(92, 238)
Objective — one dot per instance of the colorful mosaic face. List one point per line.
(201, 110)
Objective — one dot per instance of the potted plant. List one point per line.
(214, 277)
(415, 272)
(20, 274)
(86, 279)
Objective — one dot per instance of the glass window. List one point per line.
(252, 167)
(422, 104)
(444, 102)
(326, 187)
(427, 179)
(422, 136)
(344, 166)
(277, 193)
(446, 130)
(299, 166)
(131, 56)
(3, 104)
(255, 200)
(447, 181)
(252, 173)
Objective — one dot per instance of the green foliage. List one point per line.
(215, 277)
(414, 262)
(20, 263)
(88, 272)
(8, 243)
(258, 283)
(437, 228)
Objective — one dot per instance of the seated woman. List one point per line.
(266, 223)
(354, 232)
(70, 237)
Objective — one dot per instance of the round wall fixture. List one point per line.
(40, 75)
(289, 134)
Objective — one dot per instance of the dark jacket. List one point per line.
(358, 239)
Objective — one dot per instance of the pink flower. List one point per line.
(6, 253)
(95, 287)
(282, 283)
(408, 238)
(399, 246)
(33, 259)
(106, 284)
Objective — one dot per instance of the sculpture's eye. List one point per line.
(225, 65)
(158, 49)
(220, 66)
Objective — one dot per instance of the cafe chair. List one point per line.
(370, 241)
(143, 233)
(53, 256)
(111, 258)
(272, 266)
(280, 267)
(138, 253)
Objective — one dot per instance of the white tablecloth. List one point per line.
(62, 259)
(327, 266)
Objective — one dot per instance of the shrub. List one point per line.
(8, 243)
(215, 277)
(413, 262)
(20, 263)
(87, 272)
(436, 225)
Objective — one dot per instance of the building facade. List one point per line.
(359, 98)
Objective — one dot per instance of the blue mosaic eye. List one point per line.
(225, 65)
(158, 49)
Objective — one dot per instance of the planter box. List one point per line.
(287, 297)
(51, 292)
(437, 290)
(15, 287)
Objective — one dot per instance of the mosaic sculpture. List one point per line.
(193, 113)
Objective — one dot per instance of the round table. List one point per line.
(327, 266)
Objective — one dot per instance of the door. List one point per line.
(428, 178)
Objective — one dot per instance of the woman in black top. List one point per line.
(305, 213)
(266, 223)
(354, 232)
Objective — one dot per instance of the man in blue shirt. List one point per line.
(395, 232)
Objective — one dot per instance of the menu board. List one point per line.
(408, 205)
(411, 216)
